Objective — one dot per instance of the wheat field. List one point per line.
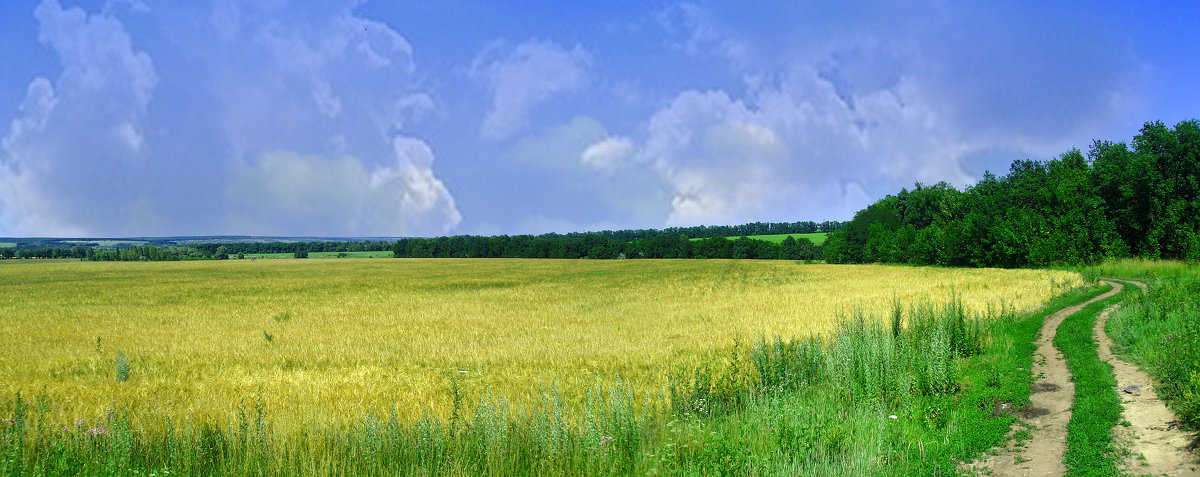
(329, 341)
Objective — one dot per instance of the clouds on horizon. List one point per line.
(319, 119)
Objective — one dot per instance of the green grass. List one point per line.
(1160, 333)
(8, 244)
(1097, 407)
(1136, 268)
(997, 382)
(376, 254)
(817, 238)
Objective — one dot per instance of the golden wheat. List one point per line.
(350, 337)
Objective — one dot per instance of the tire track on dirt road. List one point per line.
(1053, 393)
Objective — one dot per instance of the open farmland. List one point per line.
(817, 238)
(327, 341)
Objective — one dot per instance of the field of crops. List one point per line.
(326, 341)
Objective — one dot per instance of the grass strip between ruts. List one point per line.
(1097, 406)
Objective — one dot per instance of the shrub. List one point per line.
(122, 365)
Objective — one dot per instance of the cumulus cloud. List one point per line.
(310, 195)
(795, 147)
(115, 145)
(524, 76)
(608, 154)
(71, 131)
(825, 124)
(557, 185)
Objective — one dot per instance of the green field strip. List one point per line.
(817, 238)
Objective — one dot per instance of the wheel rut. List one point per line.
(1156, 443)
(1049, 411)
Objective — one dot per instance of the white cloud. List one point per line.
(412, 107)
(608, 155)
(327, 103)
(72, 134)
(287, 193)
(793, 149)
(108, 147)
(522, 77)
(338, 161)
(836, 113)
(556, 182)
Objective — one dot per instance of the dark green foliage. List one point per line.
(143, 253)
(1113, 203)
(598, 245)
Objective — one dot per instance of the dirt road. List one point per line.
(1157, 445)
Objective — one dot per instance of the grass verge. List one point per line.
(1160, 333)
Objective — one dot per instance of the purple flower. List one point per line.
(96, 431)
(80, 422)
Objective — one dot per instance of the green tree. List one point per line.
(743, 247)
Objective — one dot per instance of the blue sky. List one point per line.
(134, 118)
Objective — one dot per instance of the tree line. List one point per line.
(712, 231)
(1119, 200)
(673, 242)
(599, 246)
